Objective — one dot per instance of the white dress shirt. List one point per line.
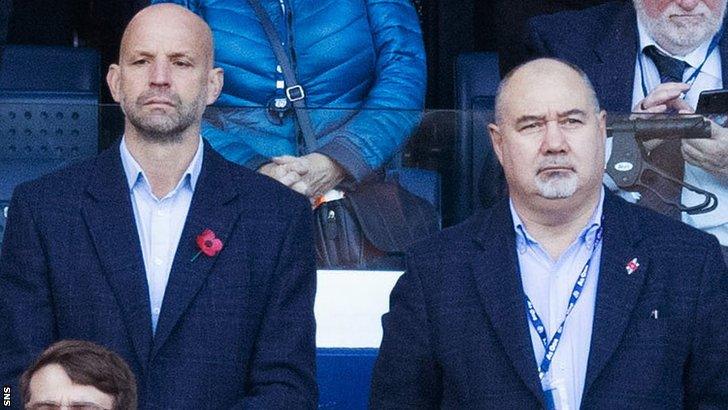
(159, 221)
(710, 78)
(549, 283)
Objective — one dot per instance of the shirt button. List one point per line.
(161, 212)
(156, 311)
(158, 261)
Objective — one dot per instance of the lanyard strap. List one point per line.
(538, 323)
(694, 75)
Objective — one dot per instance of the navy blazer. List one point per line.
(236, 330)
(457, 335)
(602, 41)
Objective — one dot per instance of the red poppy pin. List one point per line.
(208, 243)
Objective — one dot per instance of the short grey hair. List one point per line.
(504, 83)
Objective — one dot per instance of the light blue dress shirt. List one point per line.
(549, 283)
(710, 78)
(159, 221)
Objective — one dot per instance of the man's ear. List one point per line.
(215, 79)
(602, 117)
(496, 139)
(112, 79)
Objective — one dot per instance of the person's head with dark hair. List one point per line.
(79, 375)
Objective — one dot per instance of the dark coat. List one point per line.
(236, 329)
(457, 335)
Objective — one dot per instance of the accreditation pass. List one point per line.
(554, 390)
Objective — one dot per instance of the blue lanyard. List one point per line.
(713, 44)
(538, 324)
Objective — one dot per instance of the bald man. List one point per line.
(198, 272)
(561, 296)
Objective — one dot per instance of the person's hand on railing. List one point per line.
(709, 154)
(665, 98)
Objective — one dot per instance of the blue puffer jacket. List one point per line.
(361, 62)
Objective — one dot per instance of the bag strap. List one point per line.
(294, 92)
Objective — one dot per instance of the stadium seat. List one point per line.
(424, 183)
(479, 179)
(49, 102)
(344, 377)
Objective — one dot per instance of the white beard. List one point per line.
(676, 37)
(556, 185)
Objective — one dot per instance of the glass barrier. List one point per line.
(418, 171)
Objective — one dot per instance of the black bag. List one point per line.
(371, 227)
(374, 222)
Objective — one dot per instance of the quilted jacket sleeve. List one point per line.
(242, 154)
(393, 106)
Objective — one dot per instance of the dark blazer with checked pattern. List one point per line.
(236, 330)
(457, 335)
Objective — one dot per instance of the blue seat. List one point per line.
(344, 377)
(479, 180)
(49, 71)
(424, 183)
(48, 112)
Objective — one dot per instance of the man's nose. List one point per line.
(160, 73)
(688, 5)
(554, 139)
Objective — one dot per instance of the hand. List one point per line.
(709, 154)
(319, 172)
(291, 177)
(664, 98)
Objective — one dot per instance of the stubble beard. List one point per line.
(678, 38)
(163, 127)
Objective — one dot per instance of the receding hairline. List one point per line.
(165, 9)
(503, 86)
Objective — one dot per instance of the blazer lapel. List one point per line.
(212, 208)
(501, 292)
(617, 289)
(110, 220)
(613, 75)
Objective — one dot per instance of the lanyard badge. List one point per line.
(538, 325)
